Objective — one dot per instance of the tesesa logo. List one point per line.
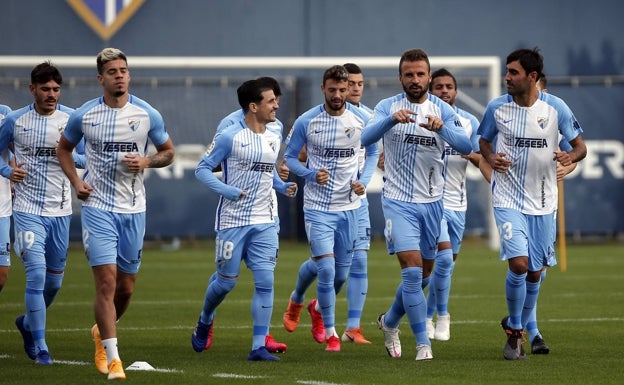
(105, 17)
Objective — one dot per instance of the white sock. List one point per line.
(110, 345)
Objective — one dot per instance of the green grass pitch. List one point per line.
(581, 315)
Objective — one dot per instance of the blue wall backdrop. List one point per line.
(583, 49)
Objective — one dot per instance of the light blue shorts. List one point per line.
(332, 232)
(5, 241)
(362, 240)
(113, 238)
(412, 226)
(526, 235)
(41, 240)
(257, 245)
(452, 228)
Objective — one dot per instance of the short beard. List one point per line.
(118, 94)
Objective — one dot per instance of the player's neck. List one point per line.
(526, 99)
(114, 101)
(254, 125)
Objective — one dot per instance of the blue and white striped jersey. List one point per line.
(5, 183)
(333, 143)
(110, 134)
(455, 165)
(248, 163)
(45, 191)
(413, 155)
(528, 136)
(235, 118)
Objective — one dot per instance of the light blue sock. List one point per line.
(532, 292)
(35, 317)
(431, 297)
(261, 306)
(414, 303)
(53, 282)
(515, 290)
(531, 325)
(357, 288)
(442, 276)
(307, 274)
(215, 294)
(325, 290)
(397, 311)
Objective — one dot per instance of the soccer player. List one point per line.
(444, 85)
(414, 126)
(245, 224)
(42, 205)
(331, 134)
(357, 283)
(5, 214)
(519, 137)
(233, 118)
(116, 128)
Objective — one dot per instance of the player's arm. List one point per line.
(218, 151)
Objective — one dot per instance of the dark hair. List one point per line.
(530, 60)
(338, 73)
(415, 54)
(251, 92)
(352, 68)
(271, 82)
(439, 73)
(109, 54)
(44, 72)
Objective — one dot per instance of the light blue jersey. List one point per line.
(110, 134)
(333, 143)
(455, 165)
(248, 163)
(276, 126)
(529, 137)
(414, 156)
(45, 191)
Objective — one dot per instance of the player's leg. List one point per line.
(100, 236)
(541, 245)
(513, 229)
(229, 250)
(56, 256)
(261, 258)
(30, 238)
(357, 284)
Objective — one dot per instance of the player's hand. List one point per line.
(322, 176)
(404, 116)
(434, 123)
(135, 163)
(19, 173)
(291, 190)
(282, 170)
(358, 187)
(381, 162)
(83, 190)
(499, 162)
(242, 194)
(563, 157)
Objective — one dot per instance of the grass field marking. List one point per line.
(237, 376)
(317, 383)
